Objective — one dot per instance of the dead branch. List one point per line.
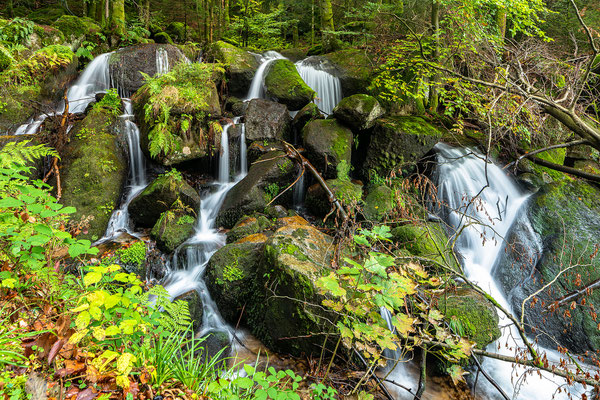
(574, 295)
(542, 150)
(562, 168)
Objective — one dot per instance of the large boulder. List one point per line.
(167, 191)
(177, 114)
(295, 257)
(266, 120)
(247, 226)
(473, 313)
(327, 143)
(379, 203)
(127, 65)
(354, 68)
(426, 241)
(240, 65)
(358, 111)
(284, 85)
(556, 236)
(77, 29)
(397, 143)
(43, 36)
(94, 170)
(308, 113)
(172, 229)
(348, 192)
(230, 277)
(266, 178)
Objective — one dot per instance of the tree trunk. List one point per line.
(118, 17)
(312, 24)
(435, 32)
(9, 10)
(501, 22)
(327, 26)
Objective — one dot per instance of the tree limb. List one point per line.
(562, 168)
(542, 150)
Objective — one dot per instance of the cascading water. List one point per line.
(257, 89)
(298, 192)
(119, 220)
(327, 86)
(162, 61)
(480, 202)
(191, 258)
(243, 148)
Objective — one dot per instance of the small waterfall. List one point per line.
(327, 86)
(298, 192)
(243, 149)
(480, 202)
(95, 78)
(162, 61)
(257, 89)
(190, 260)
(119, 220)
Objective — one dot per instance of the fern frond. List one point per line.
(21, 153)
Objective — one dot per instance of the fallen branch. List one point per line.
(573, 295)
(542, 150)
(568, 170)
(295, 155)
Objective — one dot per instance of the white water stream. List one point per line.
(257, 87)
(162, 61)
(327, 86)
(480, 202)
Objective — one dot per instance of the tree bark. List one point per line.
(118, 17)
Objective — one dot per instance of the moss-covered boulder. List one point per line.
(6, 59)
(348, 192)
(327, 144)
(94, 170)
(358, 111)
(380, 201)
(76, 29)
(172, 229)
(426, 240)
(472, 314)
(284, 85)
(294, 258)
(195, 306)
(267, 120)
(129, 63)
(131, 256)
(240, 66)
(230, 277)
(355, 69)
(43, 36)
(167, 191)
(247, 226)
(308, 113)
(180, 123)
(397, 143)
(557, 234)
(266, 178)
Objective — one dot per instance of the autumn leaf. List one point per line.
(456, 373)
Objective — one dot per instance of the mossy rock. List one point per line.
(17, 108)
(295, 257)
(45, 36)
(271, 174)
(355, 67)
(93, 171)
(308, 113)
(473, 314)
(177, 31)
(172, 229)
(162, 194)
(428, 240)
(349, 193)
(267, 120)
(284, 85)
(195, 306)
(247, 226)
(358, 111)
(6, 59)
(132, 258)
(77, 29)
(328, 143)
(559, 228)
(240, 66)
(162, 38)
(230, 277)
(47, 15)
(293, 54)
(379, 203)
(398, 142)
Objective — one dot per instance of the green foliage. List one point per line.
(260, 30)
(322, 392)
(13, 387)
(10, 339)
(39, 65)
(111, 102)
(185, 219)
(17, 31)
(86, 50)
(134, 254)
(271, 190)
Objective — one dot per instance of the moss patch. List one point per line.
(284, 85)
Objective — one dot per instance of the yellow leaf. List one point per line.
(95, 313)
(112, 301)
(83, 320)
(403, 323)
(122, 381)
(124, 363)
(99, 333)
(82, 307)
(91, 278)
(77, 336)
(113, 330)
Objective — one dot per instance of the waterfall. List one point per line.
(326, 85)
(480, 202)
(298, 192)
(119, 220)
(162, 61)
(95, 78)
(257, 89)
(243, 148)
(191, 258)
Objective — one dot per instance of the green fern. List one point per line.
(175, 316)
(22, 153)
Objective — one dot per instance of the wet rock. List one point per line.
(247, 226)
(353, 67)
(398, 143)
(308, 113)
(358, 111)
(426, 240)
(240, 65)
(379, 203)
(346, 191)
(167, 190)
(172, 229)
(215, 342)
(266, 120)
(93, 171)
(284, 85)
(327, 143)
(127, 65)
(230, 277)
(474, 313)
(195, 306)
(266, 178)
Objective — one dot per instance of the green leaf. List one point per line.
(332, 285)
(91, 278)
(10, 202)
(244, 383)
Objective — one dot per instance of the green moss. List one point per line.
(284, 84)
(163, 38)
(328, 143)
(379, 203)
(172, 229)
(6, 59)
(356, 68)
(134, 254)
(247, 226)
(428, 241)
(233, 57)
(74, 27)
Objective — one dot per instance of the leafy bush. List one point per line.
(17, 31)
(111, 102)
(134, 254)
